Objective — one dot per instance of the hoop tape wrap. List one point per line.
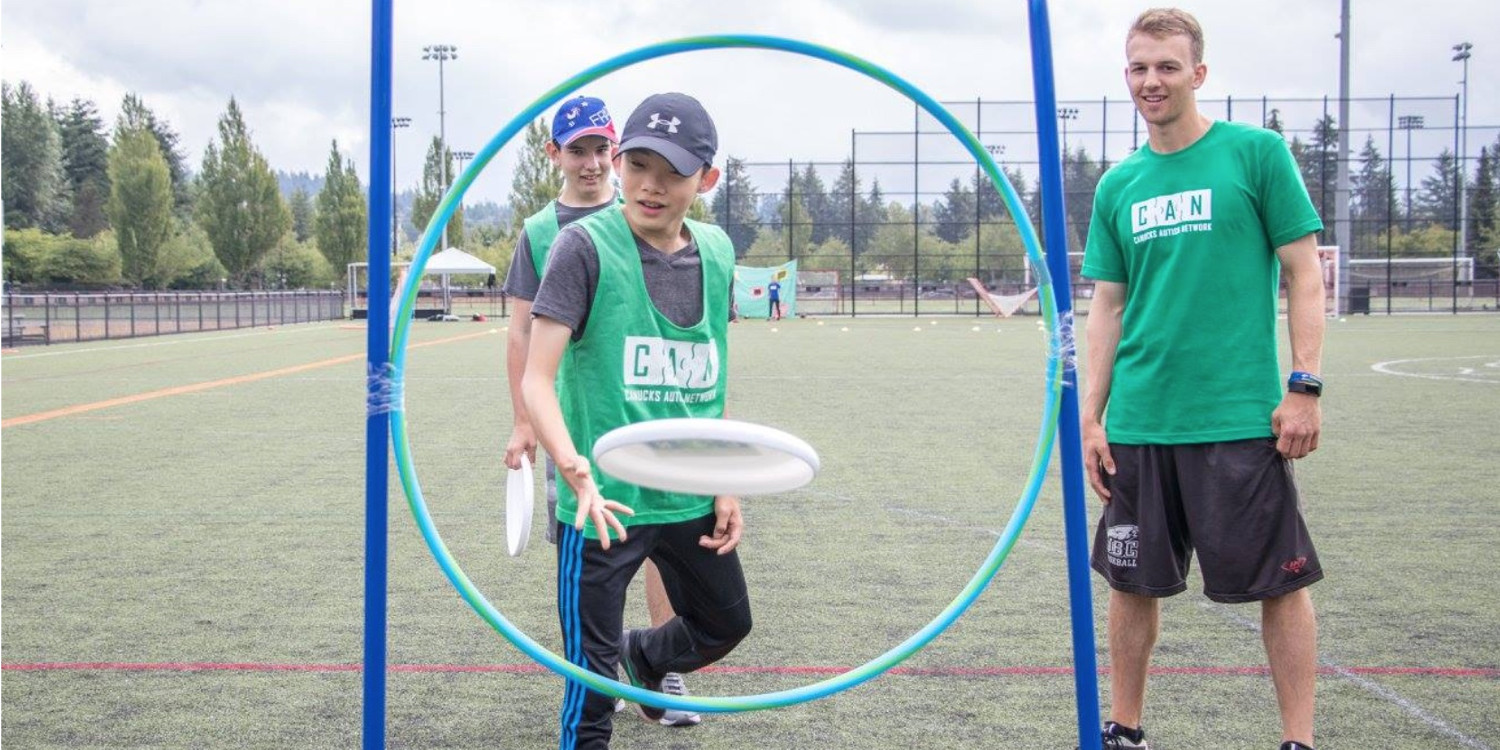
(721, 704)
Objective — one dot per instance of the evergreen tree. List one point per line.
(342, 228)
(1484, 239)
(535, 183)
(239, 205)
(815, 199)
(34, 184)
(843, 205)
(872, 216)
(769, 211)
(954, 215)
(140, 205)
(987, 199)
(1374, 193)
(1437, 202)
(432, 191)
(134, 115)
(1080, 176)
(85, 158)
(1318, 162)
(303, 215)
(795, 220)
(1273, 122)
(734, 206)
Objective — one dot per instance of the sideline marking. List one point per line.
(67, 411)
(1388, 368)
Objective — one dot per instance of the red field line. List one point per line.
(68, 411)
(816, 671)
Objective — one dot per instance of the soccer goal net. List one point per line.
(819, 293)
(1379, 271)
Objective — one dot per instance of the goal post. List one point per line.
(1328, 259)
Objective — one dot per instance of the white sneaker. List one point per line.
(672, 684)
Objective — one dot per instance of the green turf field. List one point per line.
(182, 565)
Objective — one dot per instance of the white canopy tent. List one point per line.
(454, 261)
(450, 262)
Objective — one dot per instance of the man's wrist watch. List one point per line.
(1304, 382)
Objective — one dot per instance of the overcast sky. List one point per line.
(300, 70)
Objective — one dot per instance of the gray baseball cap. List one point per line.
(675, 126)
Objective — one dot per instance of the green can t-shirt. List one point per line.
(1193, 235)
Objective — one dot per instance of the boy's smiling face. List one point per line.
(657, 198)
(585, 164)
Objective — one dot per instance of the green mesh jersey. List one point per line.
(634, 364)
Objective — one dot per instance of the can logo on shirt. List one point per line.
(1122, 545)
(654, 361)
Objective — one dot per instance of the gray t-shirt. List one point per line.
(674, 281)
(522, 280)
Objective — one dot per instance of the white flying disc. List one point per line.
(520, 489)
(707, 457)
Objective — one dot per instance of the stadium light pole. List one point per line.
(1343, 226)
(1461, 54)
(1409, 123)
(442, 53)
(1064, 114)
(396, 124)
(462, 157)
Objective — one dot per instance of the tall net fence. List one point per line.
(906, 216)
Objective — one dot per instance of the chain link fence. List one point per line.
(906, 217)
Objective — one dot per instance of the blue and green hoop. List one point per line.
(1061, 348)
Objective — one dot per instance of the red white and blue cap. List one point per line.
(581, 116)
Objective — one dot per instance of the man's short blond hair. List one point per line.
(1160, 23)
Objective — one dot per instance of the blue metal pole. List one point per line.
(1069, 443)
(377, 425)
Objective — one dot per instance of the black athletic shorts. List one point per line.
(1233, 503)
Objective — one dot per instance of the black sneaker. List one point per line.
(1290, 745)
(637, 676)
(1120, 737)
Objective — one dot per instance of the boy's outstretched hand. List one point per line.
(593, 506)
(728, 525)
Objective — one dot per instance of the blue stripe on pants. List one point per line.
(569, 570)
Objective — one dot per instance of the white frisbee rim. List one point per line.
(608, 456)
(520, 494)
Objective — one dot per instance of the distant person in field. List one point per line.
(631, 324)
(1188, 432)
(774, 289)
(582, 146)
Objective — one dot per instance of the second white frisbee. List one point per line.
(707, 457)
(520, 489)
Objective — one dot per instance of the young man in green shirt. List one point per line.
(583, 149)
(630, 324)
(1185, 243)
